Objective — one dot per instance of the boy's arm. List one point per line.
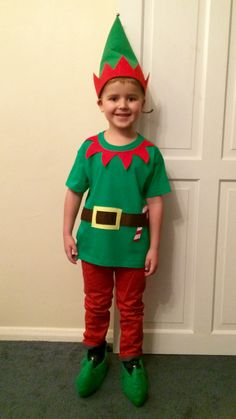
(155, 211)
(71, 208)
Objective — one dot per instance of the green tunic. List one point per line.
(121, 177)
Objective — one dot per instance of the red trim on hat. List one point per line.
(125, 156)
(122, 69)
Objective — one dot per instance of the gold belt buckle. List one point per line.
(115, 226)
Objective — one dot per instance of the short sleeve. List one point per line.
(78, 179)
(157, 183)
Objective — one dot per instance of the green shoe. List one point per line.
(134, 381)
(91, 376)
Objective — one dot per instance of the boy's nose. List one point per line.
(122, 104)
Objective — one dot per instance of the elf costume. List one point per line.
(113, 237)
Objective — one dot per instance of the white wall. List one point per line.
(49, 51)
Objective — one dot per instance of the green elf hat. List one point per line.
(118, 59)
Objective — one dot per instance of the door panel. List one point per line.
(189, 48)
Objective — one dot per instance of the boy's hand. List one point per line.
(70, 249)
(151, 262)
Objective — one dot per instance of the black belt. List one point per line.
(112, 218)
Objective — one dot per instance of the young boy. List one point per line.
(119, 235)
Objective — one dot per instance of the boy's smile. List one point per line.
(122, 103)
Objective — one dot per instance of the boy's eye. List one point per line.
(132, 98)
(113, 98)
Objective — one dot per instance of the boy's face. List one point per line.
(122, 103)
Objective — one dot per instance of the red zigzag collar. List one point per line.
(125, 156)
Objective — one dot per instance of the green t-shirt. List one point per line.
(100, 168)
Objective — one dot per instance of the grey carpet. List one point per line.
(36, 382)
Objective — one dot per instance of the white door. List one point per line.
(189, 48)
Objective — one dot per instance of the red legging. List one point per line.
(98, 287)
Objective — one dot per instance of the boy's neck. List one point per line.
(120, 137)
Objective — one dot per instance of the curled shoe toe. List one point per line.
(134, 381)
(91, 376)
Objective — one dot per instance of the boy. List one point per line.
(117, 242)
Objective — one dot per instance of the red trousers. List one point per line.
(129, 284)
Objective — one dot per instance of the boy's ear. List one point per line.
(99, 103)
